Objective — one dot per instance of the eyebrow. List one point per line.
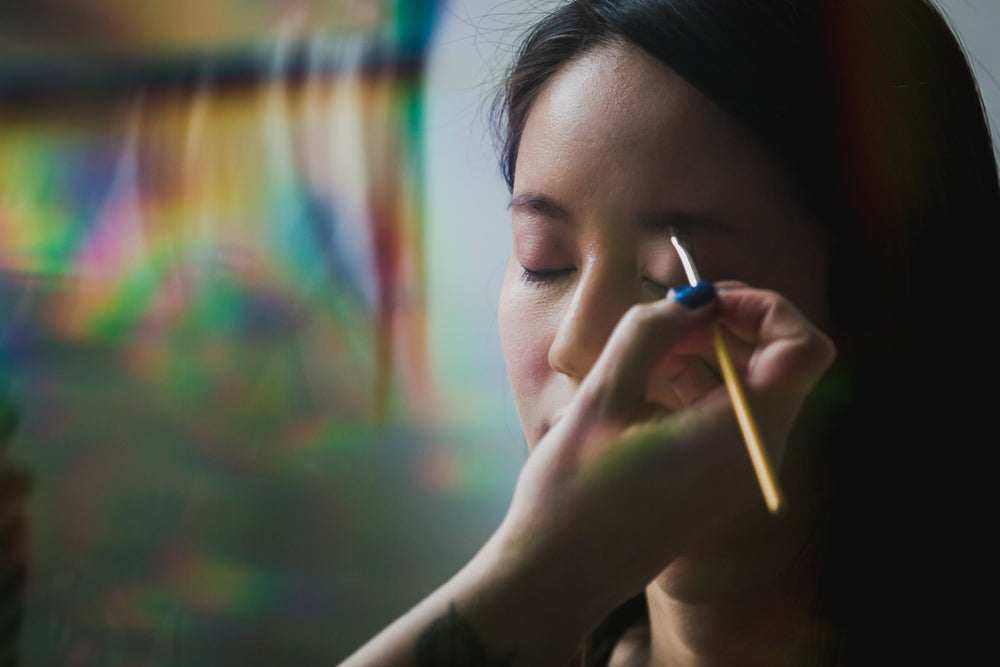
(540, 204)
(656, 221)
(660, 221)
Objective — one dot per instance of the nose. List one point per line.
(597, 303)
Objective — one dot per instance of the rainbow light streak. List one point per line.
(212, 289)
(241, 210)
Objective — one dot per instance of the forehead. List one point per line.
(619, 93)
(616, 121)
(616, 138)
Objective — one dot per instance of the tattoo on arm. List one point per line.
(451, 642)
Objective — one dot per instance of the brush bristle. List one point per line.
(681, 236)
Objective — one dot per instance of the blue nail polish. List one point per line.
(694, 297)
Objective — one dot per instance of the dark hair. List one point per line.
(872, 109)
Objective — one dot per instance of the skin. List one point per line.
(639, 478)
(615, 148)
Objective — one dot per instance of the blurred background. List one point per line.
(252, 401)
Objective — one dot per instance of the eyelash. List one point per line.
(541, 278)
(544, 278)
(659, 288)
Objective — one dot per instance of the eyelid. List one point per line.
(548, 277)
(542, 278)
(658, 286)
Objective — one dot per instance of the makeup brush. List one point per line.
(751, 436)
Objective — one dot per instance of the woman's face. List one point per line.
(616, 148)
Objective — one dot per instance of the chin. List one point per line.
(701, 578)
(752, 551)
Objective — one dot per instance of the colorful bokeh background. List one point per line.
(250, 252)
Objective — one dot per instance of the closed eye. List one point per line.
(659, 289)
(542, 278)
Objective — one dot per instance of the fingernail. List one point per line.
(693, 297)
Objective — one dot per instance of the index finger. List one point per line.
(789, 352)
(645, 335)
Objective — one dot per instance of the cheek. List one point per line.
(525, 334)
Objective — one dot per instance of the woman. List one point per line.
(821, 153)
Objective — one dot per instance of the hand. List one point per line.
(648, 459)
